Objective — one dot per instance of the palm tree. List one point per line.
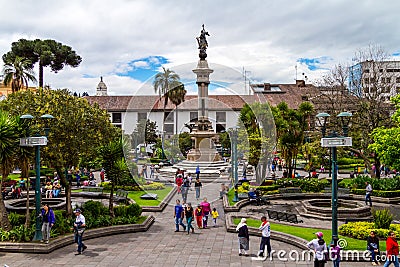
(18, 72)
(8, 144)
(163, 82)
(177, 96)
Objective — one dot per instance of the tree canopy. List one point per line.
(77, 130)
(48, 53)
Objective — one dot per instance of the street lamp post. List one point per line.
(135, 139)
(333, 141)
(37, 141)
(234, 159)
(162, 144)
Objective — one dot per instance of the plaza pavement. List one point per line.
(161, 246)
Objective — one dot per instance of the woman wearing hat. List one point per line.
(320, 249)
(79, 228)
(243, 236)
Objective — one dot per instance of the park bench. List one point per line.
(121, 196)
(92, 191)
(347, 220)
(283, 216)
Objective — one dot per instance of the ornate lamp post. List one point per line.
(333, 141)
(234, 159)
(135, 140)
(162, 144)
(37, 141)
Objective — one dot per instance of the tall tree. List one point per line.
(163, 82)
(17, 73)
(47, 53)
(177, 96)
(77, 130)
(8, 143)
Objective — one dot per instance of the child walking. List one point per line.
(214, 215)
(199, 216)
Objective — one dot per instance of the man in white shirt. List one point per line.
(265, 237)
(79, 228)
(368, 192)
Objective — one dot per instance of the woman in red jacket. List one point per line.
(392, 250)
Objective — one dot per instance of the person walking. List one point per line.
(243, 237)
(197, 187)
(152, 171)
(392, 250)
(189, 214)
(205, 206)
(368, 192)
(198, 212)
(178, 215)
(179, 182)
(79, 229)
(265, 237)
(214, 215)
(373, 247)
(335, 252)
(320, 249)
(198, 172)
(48, 220)
(185, 189)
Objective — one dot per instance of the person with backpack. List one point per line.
(320, 249)
(48, 221)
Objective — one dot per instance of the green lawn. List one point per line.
(308, 234)
(13, 176)
(135, 195)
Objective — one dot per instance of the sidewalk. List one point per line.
(161, 246)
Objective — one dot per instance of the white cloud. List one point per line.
(266, 37)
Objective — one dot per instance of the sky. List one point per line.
(127, 42)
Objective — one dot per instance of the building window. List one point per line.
(221, 116)
(219, 128)
(169, 116)
(193, 116)
(366, 80)
(366, 71)
(141, 116)
(116, 117)
(169, 128)
(397, 79)
(398, 90)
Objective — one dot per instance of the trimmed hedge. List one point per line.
(386, 184)
(377, 193)
(306, 184)
(361, 230)
(145, 187)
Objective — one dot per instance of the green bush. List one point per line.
(134, 210)
(16, 219)
(382, 218)
(387, 184)
(361, 230)
(377, 193)
(94, 208)
(306, 184)
(264, 189)
(153, 186)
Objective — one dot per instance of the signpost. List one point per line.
(336, 141)
(33, 141)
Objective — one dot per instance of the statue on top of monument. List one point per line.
(202, 42)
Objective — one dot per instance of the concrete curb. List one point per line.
(40, 248)
(163, 204)
(351, 256)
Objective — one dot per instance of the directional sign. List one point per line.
(33, 141)
(336, 141)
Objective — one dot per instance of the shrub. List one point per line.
(264, 189)
(306, 184)
(16, 219)
(134, 210)
(377, 184)
(94, 208)
(377, 193)
(382, 218)
(153, 186)
(361, 230)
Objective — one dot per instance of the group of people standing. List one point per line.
(201, 214)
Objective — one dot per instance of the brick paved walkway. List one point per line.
(161, 246)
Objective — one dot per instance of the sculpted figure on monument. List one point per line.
(202, 42)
